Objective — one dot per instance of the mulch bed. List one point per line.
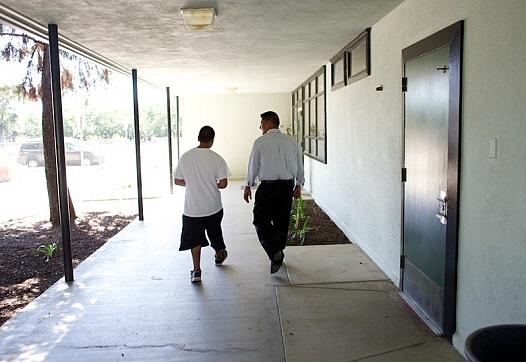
(25, 274)
(324, 231)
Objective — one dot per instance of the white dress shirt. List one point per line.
(275, 156)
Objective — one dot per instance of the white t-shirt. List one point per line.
(201, 169)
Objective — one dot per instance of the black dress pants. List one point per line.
(272, 206)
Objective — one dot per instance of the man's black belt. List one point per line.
(276, 181)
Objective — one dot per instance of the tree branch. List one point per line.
(23, 36)
(33, 51)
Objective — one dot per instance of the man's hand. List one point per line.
(247, 194)
(297, 192)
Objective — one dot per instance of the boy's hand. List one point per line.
(179, 182)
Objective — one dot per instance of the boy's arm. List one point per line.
(179, 182)
(178, 175)
(222, 183)
(222, 174)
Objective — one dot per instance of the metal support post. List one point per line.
(178, 127)
(169, 117)
(59, 147)
(137, 143)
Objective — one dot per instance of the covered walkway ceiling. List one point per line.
(255, 46)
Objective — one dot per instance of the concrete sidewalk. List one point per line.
(133, 300)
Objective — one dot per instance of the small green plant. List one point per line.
(304, 230)
(48, 250)
(298, 212)
(300, 224)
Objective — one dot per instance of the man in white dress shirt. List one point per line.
(203, 172)
(277, 161)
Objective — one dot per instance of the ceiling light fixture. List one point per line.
(196, 19)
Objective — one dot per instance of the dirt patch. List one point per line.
(323, 230)
(25, 274)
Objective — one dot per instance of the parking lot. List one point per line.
(110, 185)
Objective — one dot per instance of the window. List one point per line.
(352, 63)
(297, 114)
(309, 116)
(338, 76)
(358, 58)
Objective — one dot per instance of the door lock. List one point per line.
(442, 207)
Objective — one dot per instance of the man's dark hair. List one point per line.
(271, 116)
(206, 134)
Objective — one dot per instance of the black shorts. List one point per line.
(194, 228)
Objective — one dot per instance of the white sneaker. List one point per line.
(195, 276)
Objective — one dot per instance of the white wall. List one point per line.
(235, 119)
(364, 154)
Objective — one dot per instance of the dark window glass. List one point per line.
(321, 148)
(312, 131)
(321, 117)
(321, 83)
(359, 59)
(338, 72)
(355, 59)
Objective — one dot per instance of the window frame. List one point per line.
(364, 38)
(306, 99)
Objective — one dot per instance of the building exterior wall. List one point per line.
(364, 133)
(235, 118)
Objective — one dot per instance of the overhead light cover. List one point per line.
(195, 19)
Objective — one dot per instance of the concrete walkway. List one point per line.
(132, 300)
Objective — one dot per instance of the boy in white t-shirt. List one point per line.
(203, 172)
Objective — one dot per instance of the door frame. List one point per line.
(452, 37)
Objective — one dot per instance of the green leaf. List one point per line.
(48, 250)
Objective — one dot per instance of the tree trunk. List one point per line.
(48, 139)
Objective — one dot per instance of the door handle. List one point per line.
(442, 207)
(442, 219)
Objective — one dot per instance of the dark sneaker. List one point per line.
(276, 262)
(221, 256)
(195, 276)
(274, 267)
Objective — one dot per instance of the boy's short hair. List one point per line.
(206, 134)
(270, 116)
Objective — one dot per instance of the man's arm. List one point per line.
(179, 182)
(253, 171)
(300, 176)
(222, 183)
(253, 165)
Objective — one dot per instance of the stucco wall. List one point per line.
(365, 146)
(235, 118)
